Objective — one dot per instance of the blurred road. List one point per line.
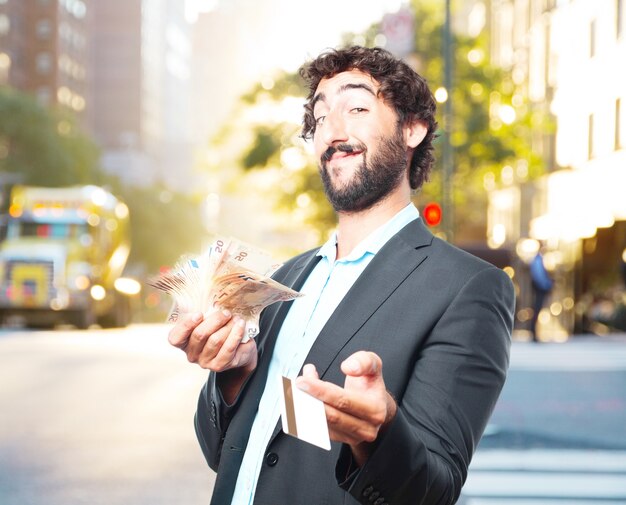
(104, 417)
(558, 434)
(99, 417)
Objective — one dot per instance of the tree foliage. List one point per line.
(492, 129)
(164, 225)
(44, 147)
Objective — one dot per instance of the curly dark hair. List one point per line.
(400, 86)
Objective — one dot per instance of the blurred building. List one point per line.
(45, 50)
(141, 82)
(567, 58)
(123, 66)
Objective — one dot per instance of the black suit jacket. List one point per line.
(441, 321)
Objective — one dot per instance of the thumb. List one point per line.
(310, 371)
(362, 363)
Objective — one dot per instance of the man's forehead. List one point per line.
(343, 81)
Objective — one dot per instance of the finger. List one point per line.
(349, 429)
(310, 371)
(211, 324)
(354, 403)
(206, 344)
(362, 363)
(180, 332)
(220, 352)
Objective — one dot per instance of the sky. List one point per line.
(284, 33)
(247, 41)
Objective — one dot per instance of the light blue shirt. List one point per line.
(324, 289)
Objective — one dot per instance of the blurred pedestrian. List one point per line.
(542, 285)
(623, 267)
(405, 337)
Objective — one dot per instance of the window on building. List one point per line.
(5, 67)
(619, 17)
(5, 24)
(618, 124)
(44, 95)
(549, 5)
(43, 29)
(590, 146)
(592, 39)
(43, 63)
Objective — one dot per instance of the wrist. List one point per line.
(231, 381)
(363, 450)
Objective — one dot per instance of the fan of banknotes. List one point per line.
(230, 275)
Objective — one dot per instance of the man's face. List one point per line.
(361, 148)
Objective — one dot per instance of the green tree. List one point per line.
(45, 147)
(491, 133)
(164, 225)
(493, 123)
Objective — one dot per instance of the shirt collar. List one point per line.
(375, 240)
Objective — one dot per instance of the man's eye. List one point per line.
(320, 121)
(358, 110)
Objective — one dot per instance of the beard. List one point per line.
(373, 180)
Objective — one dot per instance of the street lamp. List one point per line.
(447, 158)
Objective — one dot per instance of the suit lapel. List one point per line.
(274, 317)
(402, 254)
(388, 269)
(294, 278)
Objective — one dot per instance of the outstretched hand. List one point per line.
(358, 412)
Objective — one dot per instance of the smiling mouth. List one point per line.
(342, 155)
(341, 151)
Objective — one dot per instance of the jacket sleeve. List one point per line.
(213, 414)
(211, 420)
(424, 453)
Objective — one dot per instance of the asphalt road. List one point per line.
(558, 433)
(99, 417)
(104, 417)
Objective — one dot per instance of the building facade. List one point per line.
(141, 82)
(566, 56)
(45, 50)
(122, 66)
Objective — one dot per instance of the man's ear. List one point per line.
(414, 132)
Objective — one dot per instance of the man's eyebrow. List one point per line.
(345, 87)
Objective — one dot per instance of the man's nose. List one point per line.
(334, 129)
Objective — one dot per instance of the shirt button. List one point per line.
(271, 458)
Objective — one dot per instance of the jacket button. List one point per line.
(373, 496)
(380, 501)
(271, 458)
(368, 490)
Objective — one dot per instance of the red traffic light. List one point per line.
(432, 214)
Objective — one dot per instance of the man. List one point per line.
(542, 285)
(402, 336)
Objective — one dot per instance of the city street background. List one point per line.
(105, 417)
(133, 132)
(99, 418)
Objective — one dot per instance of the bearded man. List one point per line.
(404, 337)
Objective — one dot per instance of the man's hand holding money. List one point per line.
(230, 276)
(214, 341)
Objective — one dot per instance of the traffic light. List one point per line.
(432, 214)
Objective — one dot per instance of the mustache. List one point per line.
(344, 148)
